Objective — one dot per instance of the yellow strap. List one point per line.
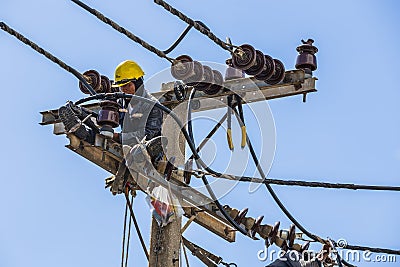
(229, 138)
(243, 144)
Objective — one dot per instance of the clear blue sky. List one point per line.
(54, 206)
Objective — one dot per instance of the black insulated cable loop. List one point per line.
(272, 192)
(221, 209)
(198, 26)
(203, 177)
(197, 157)
(43, 52)
(180, 38)
(183, 34)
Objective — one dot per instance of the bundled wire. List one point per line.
(43, 52)
(123, 31)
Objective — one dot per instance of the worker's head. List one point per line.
(128, 76)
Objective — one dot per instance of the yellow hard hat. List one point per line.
(126, 72)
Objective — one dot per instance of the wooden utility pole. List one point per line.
(165, 241)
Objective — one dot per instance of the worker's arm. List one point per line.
(154, 123)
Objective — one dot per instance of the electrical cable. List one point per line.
(124, 235)
(180, 38)
(272, 192)
(293, 220)
(43, 52)
(124, 31)
(197, 158)
(195, 24)
(136, 225)
(129, 238)
(184, 253)
(203, 177)
(308, 183)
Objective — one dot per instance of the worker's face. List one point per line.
(128, 88)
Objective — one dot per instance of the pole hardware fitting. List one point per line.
(187, 174)
(108, 117)
(169, 168)
(180, 90)
(306, 59)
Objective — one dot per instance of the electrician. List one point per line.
(145, 120)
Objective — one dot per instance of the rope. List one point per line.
(136, 225)
(129, 238)
(43, 52)
(197, 157)
(194, 24)
(124, 235)
(184, 253)
(123, 31)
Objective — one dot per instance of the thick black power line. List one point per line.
(123, 30)
(54, 59)
(303, 183)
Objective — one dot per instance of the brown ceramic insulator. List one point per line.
(183, 69)
(256, 226)
(105, 85)
(216, 86)
(113, 89)
(279, 73)
(258, 66)
(169, 168)
(291, 235)
(187, 174)
(197, 74)
(269, 69)
(208, 78)
(306, 58)
(244, 57)
(93, 79)
(108, 114)
(274, 232)
(241, 215)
